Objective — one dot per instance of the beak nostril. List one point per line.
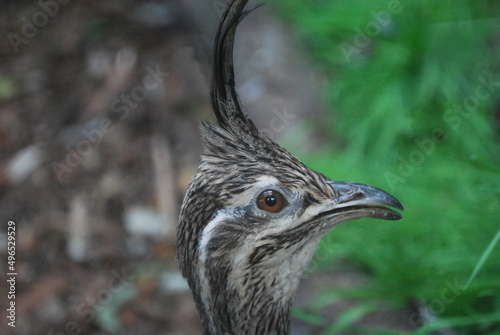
(348, 192)
(358, 196)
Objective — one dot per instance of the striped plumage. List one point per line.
(254, 214)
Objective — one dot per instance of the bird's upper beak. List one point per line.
(355, 201)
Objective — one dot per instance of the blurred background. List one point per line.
(100, 105)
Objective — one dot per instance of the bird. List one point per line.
(254, 214)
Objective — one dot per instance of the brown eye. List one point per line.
(271, 201)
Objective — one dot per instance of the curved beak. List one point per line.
(354, 201)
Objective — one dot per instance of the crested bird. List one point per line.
(254, 214)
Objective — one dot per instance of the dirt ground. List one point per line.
(100, 105)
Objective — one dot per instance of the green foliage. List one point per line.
(413, 91)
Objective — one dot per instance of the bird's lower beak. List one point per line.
(354, 201)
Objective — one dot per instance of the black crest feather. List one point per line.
(225, 101)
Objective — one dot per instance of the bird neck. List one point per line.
(257, 306)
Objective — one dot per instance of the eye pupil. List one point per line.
(271, 201)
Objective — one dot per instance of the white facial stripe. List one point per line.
(206, 236)
(266, 180)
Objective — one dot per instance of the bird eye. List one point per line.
(271, 201)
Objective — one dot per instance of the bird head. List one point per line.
(254, 214)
